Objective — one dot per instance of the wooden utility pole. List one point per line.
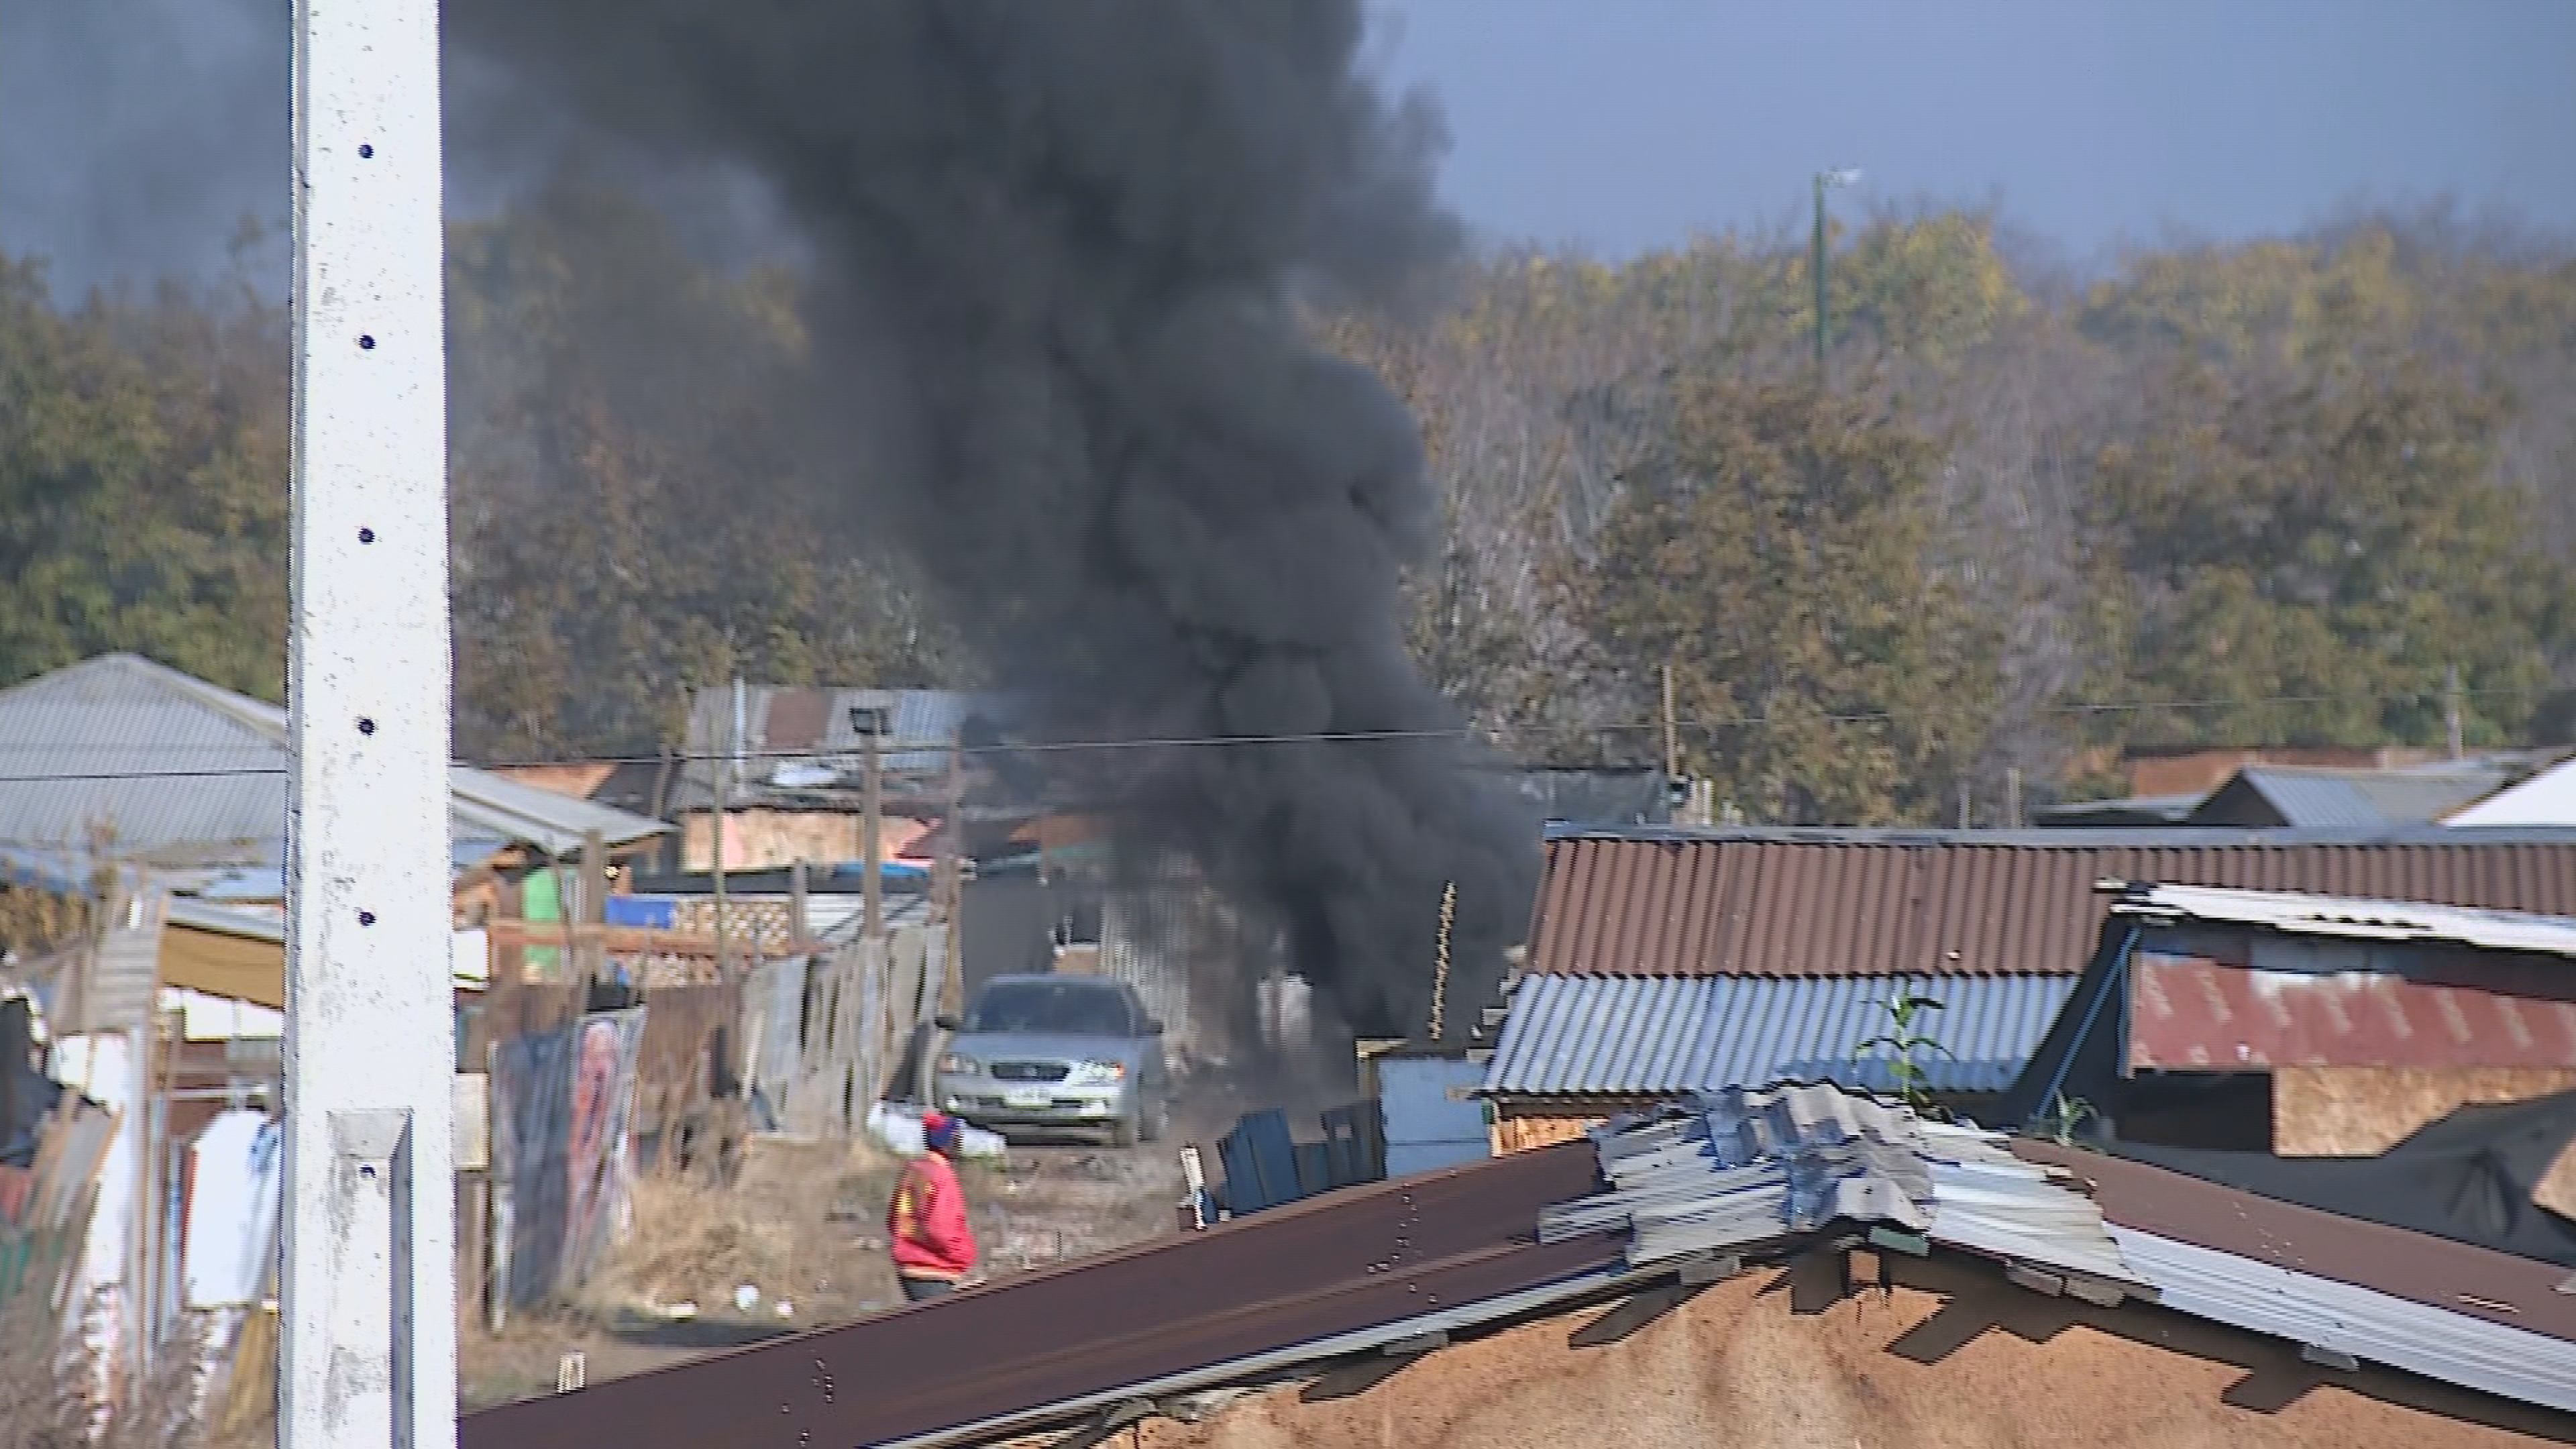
(594, 907)
(796, 935)
(716, 824)
(951, 904)
(1672, 739)
(872, 808)
(2012, 797)
(2451, 709)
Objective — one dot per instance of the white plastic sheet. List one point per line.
(898, 1126)
(232, 1210)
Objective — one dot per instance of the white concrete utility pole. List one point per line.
(367, 1295)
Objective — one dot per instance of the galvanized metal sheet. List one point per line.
(183, 772)
(2351, 918)
(2548, 798)
(1733, 1169)
(1659, 1036)
(2435, 1272)
(2188, 1012)
(2330, 798)
(2344, 1318)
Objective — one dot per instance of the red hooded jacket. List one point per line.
(926, 1222)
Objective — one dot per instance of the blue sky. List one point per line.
(135, 133)
(1623, 124)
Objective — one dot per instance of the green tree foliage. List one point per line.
(2150, 488)
(143, 457)
(1779, 558)
(2334, 541)
(2310, 472)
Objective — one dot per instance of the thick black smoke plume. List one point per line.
(1057, 250)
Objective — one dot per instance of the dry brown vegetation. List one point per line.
(803, 1223)
(54, 1394)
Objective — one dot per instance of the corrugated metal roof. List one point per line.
(2353, 918)
(2129, 810)
(2189, 1014)
(2548, 798)
(179, 770)
(486, 806)
(1965, 903)
(1733, 1169)
(250, 925)
(801, 738)
(187, 773)
(2370, 1326)
(2434, 1306)
(1661, 1036)
(2327, 799)
(1748, 1168)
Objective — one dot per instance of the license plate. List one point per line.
(1027, 1098)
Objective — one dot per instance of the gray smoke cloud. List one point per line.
(137, 135)
(139, 138)
(1057, 251)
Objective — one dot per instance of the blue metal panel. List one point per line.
(1260, 1162)
(1626, 1035)
(653, 913)
(1432, 1117)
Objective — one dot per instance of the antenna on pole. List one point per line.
(367, 1349)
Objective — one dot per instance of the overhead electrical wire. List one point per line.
(1704, 723)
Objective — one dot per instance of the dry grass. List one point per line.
(51, 1394)
(692, 1243)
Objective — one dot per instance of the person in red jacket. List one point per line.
(926, 1225)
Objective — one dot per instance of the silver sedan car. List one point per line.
(1057, 1053)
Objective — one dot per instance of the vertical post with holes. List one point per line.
(368, 1350)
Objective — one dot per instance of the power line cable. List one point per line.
(1150, 742)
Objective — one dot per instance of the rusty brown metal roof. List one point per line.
(2193, 1013)
(1651, 902)
(1328, 1266)
(2436, 1272)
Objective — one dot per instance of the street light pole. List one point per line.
(1816, 256)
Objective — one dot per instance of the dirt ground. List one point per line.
(1973, 1365)
(803, 1226)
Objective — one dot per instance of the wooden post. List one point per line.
(872, 805)
(952, 886)
(1672, 739)
(594, 906)
(716, 827)
(797, 936)
(2451, 710)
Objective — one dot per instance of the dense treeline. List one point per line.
(2276, 491)
(2270, 491)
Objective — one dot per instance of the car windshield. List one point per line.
(1081, 1010)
